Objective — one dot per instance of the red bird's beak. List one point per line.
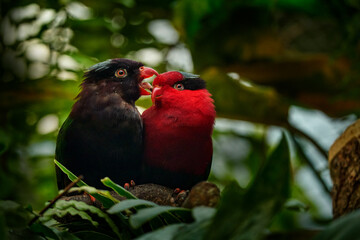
(146, 72)
(156, 94)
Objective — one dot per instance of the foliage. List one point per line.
(134, 213)
(248, 213)
(346, 227)
(251, 212)
(261, 60)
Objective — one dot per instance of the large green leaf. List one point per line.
(14, 215)
(72, 207)
(155, 222)
(44, 230)
(70, 175)
(68, 236)
(203, 213)
(117, 188)
(93, 235)
(165, 233)
(196, 230)
(104, 197)
(127, 204)
(203, 219)
(54, 212)
(145, 215)
(345, 228)
(248, 214)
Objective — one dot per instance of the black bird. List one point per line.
(103, 135)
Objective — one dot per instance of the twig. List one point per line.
(306, 159)
(307, 137)
(54, 200)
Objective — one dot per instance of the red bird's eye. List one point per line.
(120, 73)
(179, 86)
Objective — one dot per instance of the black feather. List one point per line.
(103, 133)
(192, 81)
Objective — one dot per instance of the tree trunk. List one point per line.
(344, 162)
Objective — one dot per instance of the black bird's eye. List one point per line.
(120, 73)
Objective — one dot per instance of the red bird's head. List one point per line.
(184, 96)
(174, 88)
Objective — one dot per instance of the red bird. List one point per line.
(178, 128)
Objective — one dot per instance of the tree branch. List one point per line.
(202, 194)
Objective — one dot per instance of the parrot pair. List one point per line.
(105, 135)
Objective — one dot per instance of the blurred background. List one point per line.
(272, 66)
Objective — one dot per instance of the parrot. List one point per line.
(177, 131)
(103, 134)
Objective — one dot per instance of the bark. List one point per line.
(344, 162)
(202, 194)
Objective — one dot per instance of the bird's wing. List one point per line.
(62, 179)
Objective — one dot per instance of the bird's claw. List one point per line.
(182, 195)
(178, 196)
(127, 185)
(132, 183)
(92, 199)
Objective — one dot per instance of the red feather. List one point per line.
(178, 128)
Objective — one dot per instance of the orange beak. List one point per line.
(146, 72)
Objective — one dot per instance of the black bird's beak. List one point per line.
(146, 72)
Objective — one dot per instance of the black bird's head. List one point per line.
(123, 76)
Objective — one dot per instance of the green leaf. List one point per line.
(117, 188)
(45, 230)
(24, 233)
(145, 215)
(104, 197)
(249, 213)
(203, 213)
(296, 205)
(94, 210)
(70, 175)
(132, 203)
(196, 230)
(165, 233)
(15, 215)
(79, 225)
(73, 207)
(345, 228)
(184, 216)
(93, 235)
(181, 231)
(51, 213)
(154, 223)
(161, 221)
(68, 236)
